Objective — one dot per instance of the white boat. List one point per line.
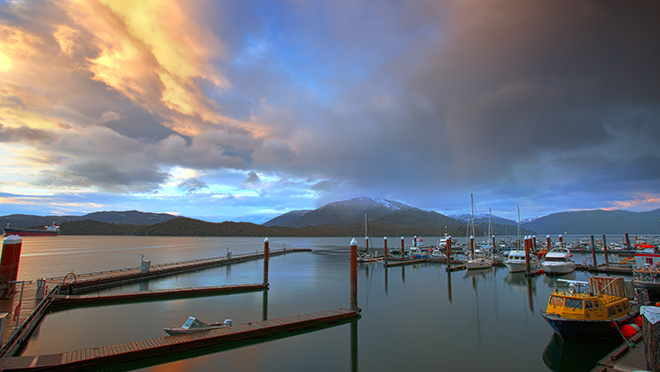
(417, 253)
(193, 325)
(558, 261)
(479, 263)
(517, 263)
(438, 254)
(478, 259)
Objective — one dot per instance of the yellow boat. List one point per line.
(598, 313)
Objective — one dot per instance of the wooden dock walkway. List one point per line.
(22, 321)
(625, 357)
(93, 358)
(123, 297)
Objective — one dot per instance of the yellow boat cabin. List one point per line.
(599, 312)
(580, 306)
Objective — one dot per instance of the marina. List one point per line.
(480, 309)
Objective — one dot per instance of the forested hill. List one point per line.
(183, 226)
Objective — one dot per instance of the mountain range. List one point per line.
(383, 217)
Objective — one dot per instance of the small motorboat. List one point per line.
(193, 325)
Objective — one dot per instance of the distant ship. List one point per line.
(51, 230)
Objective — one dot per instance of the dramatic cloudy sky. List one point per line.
(243, 110)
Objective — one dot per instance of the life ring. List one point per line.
(67, 275)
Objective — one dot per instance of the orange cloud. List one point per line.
(152, 52)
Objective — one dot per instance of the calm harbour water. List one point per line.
(413, 317)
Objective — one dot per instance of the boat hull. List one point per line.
(478, 264)
(572, 328)
(520, 267)
(29, 232)
(564, 268)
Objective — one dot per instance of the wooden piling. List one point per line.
(627, 241)
(528, 242)
(354, 305)
(561, 241)
(448, 251)
(402, 248)
(607, 262)
(266, 257)
(547, 242)
(472, 246)
(593, 251)
(385, 254)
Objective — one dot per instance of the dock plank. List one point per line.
(134, 350)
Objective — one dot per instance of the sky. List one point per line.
(245, 110)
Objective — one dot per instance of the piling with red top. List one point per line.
(266, 258)
(354, 305)
(607, 262)
(528, 248)
(11, 256)
(593, 251)
(402, 247)
(448, 250)
(385, 250)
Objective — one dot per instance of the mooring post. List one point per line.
(593, 251)
(627, 242)
(354, 305)
(472, 247)
(266, 257)
(493, 243)
(528, 243)
(385, 250)
(11, 256)
(547, 242)
(448, 250)
(561, 242)
(607, 262)
(651, 334)
(402, 247)
(533, 244)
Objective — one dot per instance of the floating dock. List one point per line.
(627, 357)
(151, 295)
(104, 356)
(24, 319)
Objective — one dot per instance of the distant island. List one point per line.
(345, 218)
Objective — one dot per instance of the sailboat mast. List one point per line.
(472, 204)
(518, 237)
(366, 237)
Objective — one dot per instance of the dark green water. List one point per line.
(413, 318)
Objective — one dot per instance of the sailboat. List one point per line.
(478, 260)
(366, 256)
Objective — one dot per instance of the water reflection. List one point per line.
(264, 315)
(576, 355)
(354, 346)
(449, 286)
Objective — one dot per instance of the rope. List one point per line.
(630, 344)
